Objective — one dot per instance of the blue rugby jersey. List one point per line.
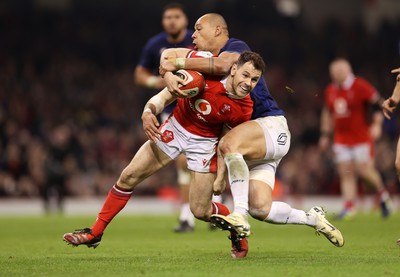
(264, 103)
(151, 54)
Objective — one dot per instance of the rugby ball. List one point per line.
(194, 82)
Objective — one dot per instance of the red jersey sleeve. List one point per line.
(370, 94)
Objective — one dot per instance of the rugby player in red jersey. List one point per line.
(345, 118)
(193, 128)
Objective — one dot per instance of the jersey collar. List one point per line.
(348, 82)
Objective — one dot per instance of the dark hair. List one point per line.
(252, 57)
(174, 5)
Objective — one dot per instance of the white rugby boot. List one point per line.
(233, 222)
(323, 226)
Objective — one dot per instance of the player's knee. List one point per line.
(259, 207)
(128, 179)
(259, 212)
(200, 213)
(225, 146)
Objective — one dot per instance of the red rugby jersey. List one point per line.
(348, 106)
(206, 113)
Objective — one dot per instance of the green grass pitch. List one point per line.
(146, 246)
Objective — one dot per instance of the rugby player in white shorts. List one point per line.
(192, 129)
(262, 142)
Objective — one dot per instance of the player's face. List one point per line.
(339, 72)
(203, 35)
(244, 79)
(174, 22)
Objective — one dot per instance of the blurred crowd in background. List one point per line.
(70, 112)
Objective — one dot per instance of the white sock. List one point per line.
(238, 174)
(282, 213)
(384, 194)
(186, 214)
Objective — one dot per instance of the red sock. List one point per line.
(219, 208)
(115, 202)
(349, 204)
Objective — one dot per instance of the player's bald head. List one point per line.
(340, 69)
(215, 20)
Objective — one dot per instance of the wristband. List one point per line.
(151, 82)
(180, 63)
(147, 110)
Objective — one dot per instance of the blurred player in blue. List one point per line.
(262, 142)
(175, 34)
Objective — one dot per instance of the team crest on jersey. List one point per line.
(225, 109)
(167, 136)
(203, 106)
(341, 107)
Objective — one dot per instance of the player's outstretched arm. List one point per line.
(214, 65)
(390, 104)
(175, 58)
(326, 129)
(153, 107)
(143, 77)
(220, 181)
(172, 59)
(396, 70)
(376, 125)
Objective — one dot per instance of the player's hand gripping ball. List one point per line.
(194, 82)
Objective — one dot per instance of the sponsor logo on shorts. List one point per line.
(167, 136)
(282, 139)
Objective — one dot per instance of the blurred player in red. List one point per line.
(194, 129)
(175, 34)
(388, 106)
(345, 117)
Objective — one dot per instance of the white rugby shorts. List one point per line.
(200, 152)
(359, 153)
(277, 138)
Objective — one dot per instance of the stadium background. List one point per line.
(70, 63)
